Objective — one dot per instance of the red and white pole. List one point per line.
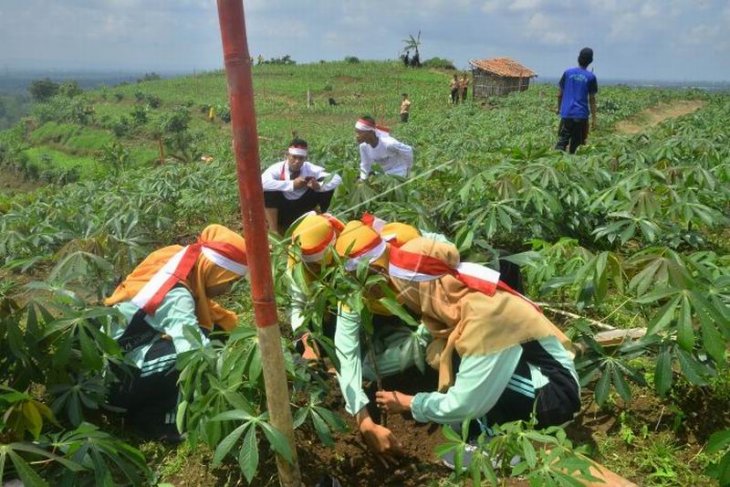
(246, 148)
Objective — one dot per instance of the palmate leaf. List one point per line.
(693, 370)
(27, 475)
(332, 419)
(622, 387)
(602, 387)
(321, 428)
(397, 309)
(248, 456)
(685, 332)
(712, 340)
(664, 316)
(660, 267)
(721, 470)
(277, 440)
(225, 446)
(663, 375)
(102, 454)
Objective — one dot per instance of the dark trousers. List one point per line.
(573, 131)
(404, 117)
(455, 95)
(151, 401)
(555, 403)
(290, 210)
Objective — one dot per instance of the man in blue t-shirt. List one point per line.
(578, 88)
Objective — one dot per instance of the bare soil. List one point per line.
(601, 429)
(11, 182)
(657, 114)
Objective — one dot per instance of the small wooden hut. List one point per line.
(499, 76)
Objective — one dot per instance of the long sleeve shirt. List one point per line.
(277, 177)
(393, 156)
(175, 313)
(394, 354)
(480, 382)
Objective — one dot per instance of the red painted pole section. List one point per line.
(248, 168)
(246, 148)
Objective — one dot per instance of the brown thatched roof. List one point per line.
(503, 66)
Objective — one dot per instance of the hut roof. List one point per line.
(503, 66)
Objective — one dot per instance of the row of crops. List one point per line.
(632, 232)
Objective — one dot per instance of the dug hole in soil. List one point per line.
(350, 462)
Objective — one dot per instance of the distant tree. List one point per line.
(439, 63)
(154, 101)
(70, 89)
(149, 77)
(43, 89)
(413, 43)
(174, 134)
(281, 60)
(115, 157)
(352, 60)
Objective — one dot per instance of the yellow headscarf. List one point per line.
(314, 234)
(203, 275)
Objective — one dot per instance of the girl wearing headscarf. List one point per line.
(359, 244)
(313, 238)
(171, 291)
(509, 358)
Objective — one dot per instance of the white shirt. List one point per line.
(276, 178)
(393, 156)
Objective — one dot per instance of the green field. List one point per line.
(631, 232)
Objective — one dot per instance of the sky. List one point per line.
(670, 40)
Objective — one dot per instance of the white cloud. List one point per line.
(490, 6)
(522, 5)
(545, 29)
(685, 37)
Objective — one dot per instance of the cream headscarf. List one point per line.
(462, 319)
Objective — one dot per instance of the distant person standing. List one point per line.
(378, 147)
(576, 100)
(463, 87)
(405, 108)
(295, 186)
(454, 86)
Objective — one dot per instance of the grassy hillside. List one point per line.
(135, 115)
(630, 232)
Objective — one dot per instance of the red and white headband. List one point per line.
(179, 266)
(365, 125)
(410, 266)
(298, 151)
(316, 253)
(370, 252)
(373, 221)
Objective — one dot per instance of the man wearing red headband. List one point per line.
(295, 186)
(378, 147)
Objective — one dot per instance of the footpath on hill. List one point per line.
(657, 114)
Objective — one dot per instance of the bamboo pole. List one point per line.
(248, 168)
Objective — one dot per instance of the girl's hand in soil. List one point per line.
(381, 441)
(393, 401)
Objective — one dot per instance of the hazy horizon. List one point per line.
(68, 73)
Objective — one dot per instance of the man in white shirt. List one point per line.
(378, 147)
(295, 186)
